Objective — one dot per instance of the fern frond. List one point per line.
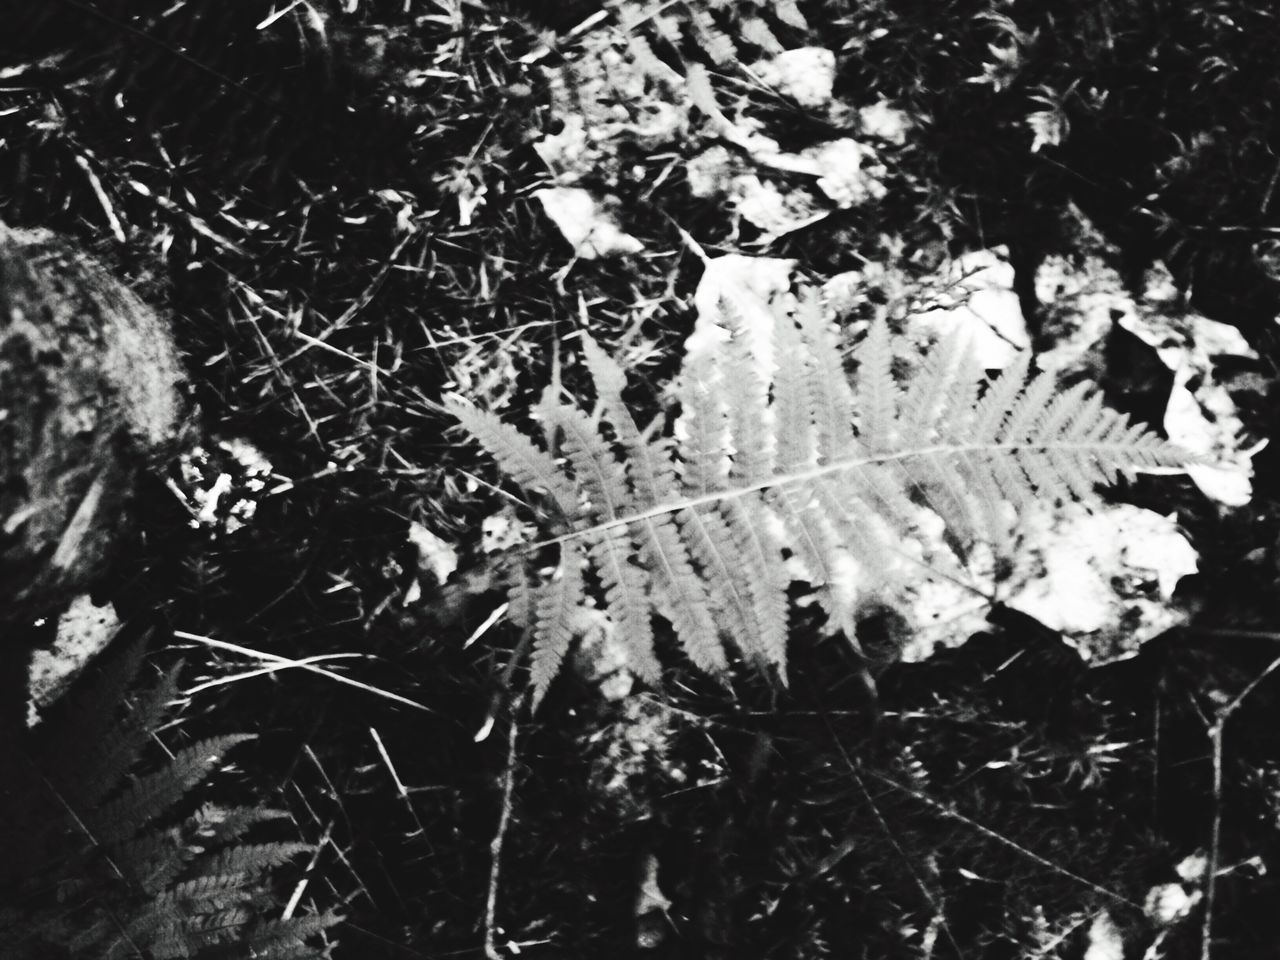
(554, 608)
(121, 746)
(126, 887)
(625, 583)
(650, 63)
(718, 45)
(528, 466)
(208, 893)
(832, 398)
(705, 531)
(218, 825)
(252, 859)
(152, 795)
(626, 594)
(760, 561)
(704, 419)
(877, 393)
(805, 466)
(276, 938)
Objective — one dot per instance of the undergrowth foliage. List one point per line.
(793, 473)
(96, 864)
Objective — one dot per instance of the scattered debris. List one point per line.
(84, 630)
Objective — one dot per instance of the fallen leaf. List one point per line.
(84, 630)
(582, 220)
(978, 298)
(806, 74)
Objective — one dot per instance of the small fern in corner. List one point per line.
(792, 472)
(93, 862)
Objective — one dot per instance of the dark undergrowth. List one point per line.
(335, 208)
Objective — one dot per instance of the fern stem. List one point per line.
(1124, 450)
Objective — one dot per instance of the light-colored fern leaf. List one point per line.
(751, 428)
(960, 404)
(154, 794)
(522, 598)
(839, 479)
(649, 464)
(686, 603)
(794, 405)
(706, 533)
(651, 469)
(746, 395)
(626, 585)
(943, 489)
(751, 528)
(704, 421)
(719, 46)
(869, 559)
(822, 554)
(555, 606)
(832, 397)
(756, 32)
(876, 396)
(1002, 393)
(1027, 409)
(516, 454)
(975, 472)
(650, 63)
(884, 487)
(801, 412)
(923, 405)
(627, 601)
(788, 11)
(597, 472)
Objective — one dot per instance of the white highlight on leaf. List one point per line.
(849, 172)
(755, 287)
(806, 74)
(978, 297)
(884, 122)
(1167, 903)
(1084, 556)
(83, 631)
(583, 221)
(1229, 481)
(1105, 942)
(435, 556)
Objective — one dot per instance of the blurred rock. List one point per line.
(89, 379)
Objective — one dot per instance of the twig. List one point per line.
(296, 897)
(938, 921)
(1215, 833)
(301, 665)
(400, 787)
(495, 846)
(953, 814)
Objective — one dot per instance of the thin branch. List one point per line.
(495, 846)
(1215, 832)
(952, 814)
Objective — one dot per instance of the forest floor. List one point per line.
(355, 217)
